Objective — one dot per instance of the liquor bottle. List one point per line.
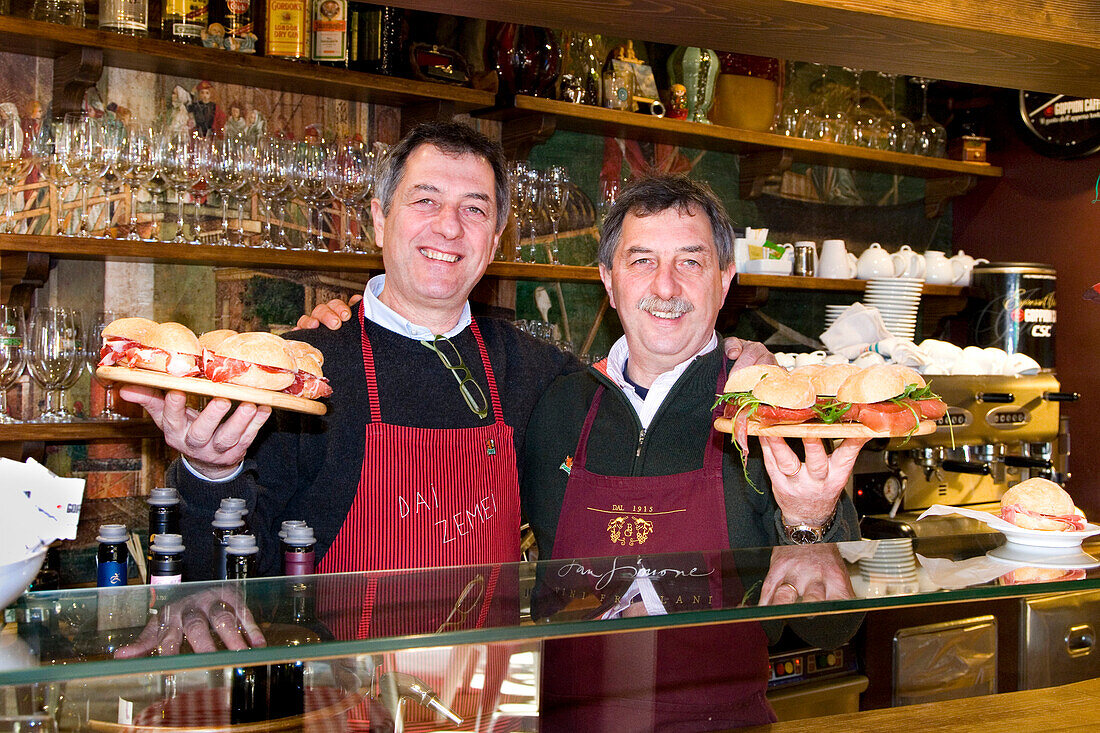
(184, 21)
(330, 32)
(234, 504)
(248, 687)
(166, 563)
(112, 555)
(379, 39)
(164, 515)
(237, 17)
(241, 557)
(225, 524)
(286, 29)
(298, 555)
(130, 17)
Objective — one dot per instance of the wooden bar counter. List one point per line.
(1074, 707)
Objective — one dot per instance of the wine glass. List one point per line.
(864, 125)
(308, 180)
(52, 355)
(226, 175)
(530, 198)
(93, 341)
(931, 135)
(269, 178)
(79, 337)
(814, 123)
(348, 175)
(15, 163)
(198, 174)
(243, 194)
(555, 197)
(902, 136)
(114, 144)
(13, 330)
(84, 159)
(137, 165)
(517, 178)
(48, 151)
(178, 169)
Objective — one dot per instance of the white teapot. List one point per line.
(908, 263)
(875, 262)
(835, 261)
(962, 266)
(938, 270)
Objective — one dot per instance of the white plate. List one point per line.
(768, 267)
(1028, 557)
(1040, 538)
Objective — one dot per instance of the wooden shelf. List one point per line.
(792, 282)
(37, 38)
(123, 250)
(617, 123)
(76, 432)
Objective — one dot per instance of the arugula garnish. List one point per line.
(915, 392)
(744, 401)
(831, 412)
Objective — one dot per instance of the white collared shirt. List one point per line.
(386, 317)
(662, 385)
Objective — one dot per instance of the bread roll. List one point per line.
(743, 380)
(874, 384)
(258, 350)
(300, 349)
(792, 391)
(829, 379)
(1026, 501)
(213, 339)
(134, 329)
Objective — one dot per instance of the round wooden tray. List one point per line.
(818, 430)
(198, 385)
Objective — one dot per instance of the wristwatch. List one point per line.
(808, 534)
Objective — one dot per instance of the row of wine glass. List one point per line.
(103, 153)
(55, 345)
(537, 191)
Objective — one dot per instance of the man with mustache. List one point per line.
(621, 459)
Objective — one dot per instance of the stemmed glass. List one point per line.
(529, 194)
(519, 201)
(227, 173)
(137, 165)
(114, 144)
(201, 161)
(348, 176)
(814, 123)
(52, 356)
(179, 169)
(13, 329)
(243, 194)
(270, 176)
(864, 125)
(931, 135)
(555, 197)
(308, 180)
(93, 340)
(15, 163)
(902, 136)
(84, 158)
(48, 151)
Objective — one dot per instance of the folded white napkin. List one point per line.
(903, 352)
(854, 331)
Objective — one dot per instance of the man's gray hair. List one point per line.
(452, 138)
(659, 192)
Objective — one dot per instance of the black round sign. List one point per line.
(1059, 126)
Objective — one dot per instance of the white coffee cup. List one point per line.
(740, 253)
(1020, 364)
(908, 263)
(868, 358)
(835, 261)
(832, 359)
(944, 353)
(814, 357)
(785, 359)
(973, 360)
(995, 359)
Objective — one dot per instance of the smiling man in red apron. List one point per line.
(622, 460)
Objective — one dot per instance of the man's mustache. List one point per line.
(675, 305)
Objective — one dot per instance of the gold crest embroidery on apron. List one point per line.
(628, 531)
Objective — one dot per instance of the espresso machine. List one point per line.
(997, 432)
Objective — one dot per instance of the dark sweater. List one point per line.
(673, 443)
(308, 467)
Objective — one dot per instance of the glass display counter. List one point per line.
(457, 648)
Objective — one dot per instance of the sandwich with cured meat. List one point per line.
(1028, 574)
(169, 347)
(309, 381)
(887, 400)
(265, 361)
(1041, 504)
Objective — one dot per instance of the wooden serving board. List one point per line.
(195, 385)
(818, 430)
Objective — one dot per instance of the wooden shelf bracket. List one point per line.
(73, 74)
(938, 191)
(22, 273)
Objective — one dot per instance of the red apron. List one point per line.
(708, 678)
(428, 498)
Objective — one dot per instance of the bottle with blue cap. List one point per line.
(112, 555)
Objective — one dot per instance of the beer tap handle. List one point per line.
(978, 469)
(1000, 397)
(1061, 396)
(1027, 462)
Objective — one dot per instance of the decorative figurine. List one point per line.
(677, 102)
(697, 70)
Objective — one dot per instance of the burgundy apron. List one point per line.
(428, 498)
(688, 679)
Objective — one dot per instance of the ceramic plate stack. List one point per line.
(893, 567)
(832, 312)
(897, 299)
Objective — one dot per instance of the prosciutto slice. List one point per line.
(1069, 522)
(309, 386)
(114, 349)
(225, 369)
(893, 417)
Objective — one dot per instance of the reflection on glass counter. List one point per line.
(459, 643)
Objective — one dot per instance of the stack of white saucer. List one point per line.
(892, 565)
(897, 299)
(832, 312)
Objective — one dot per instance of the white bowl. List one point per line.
(16, 576)
(768, 267)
